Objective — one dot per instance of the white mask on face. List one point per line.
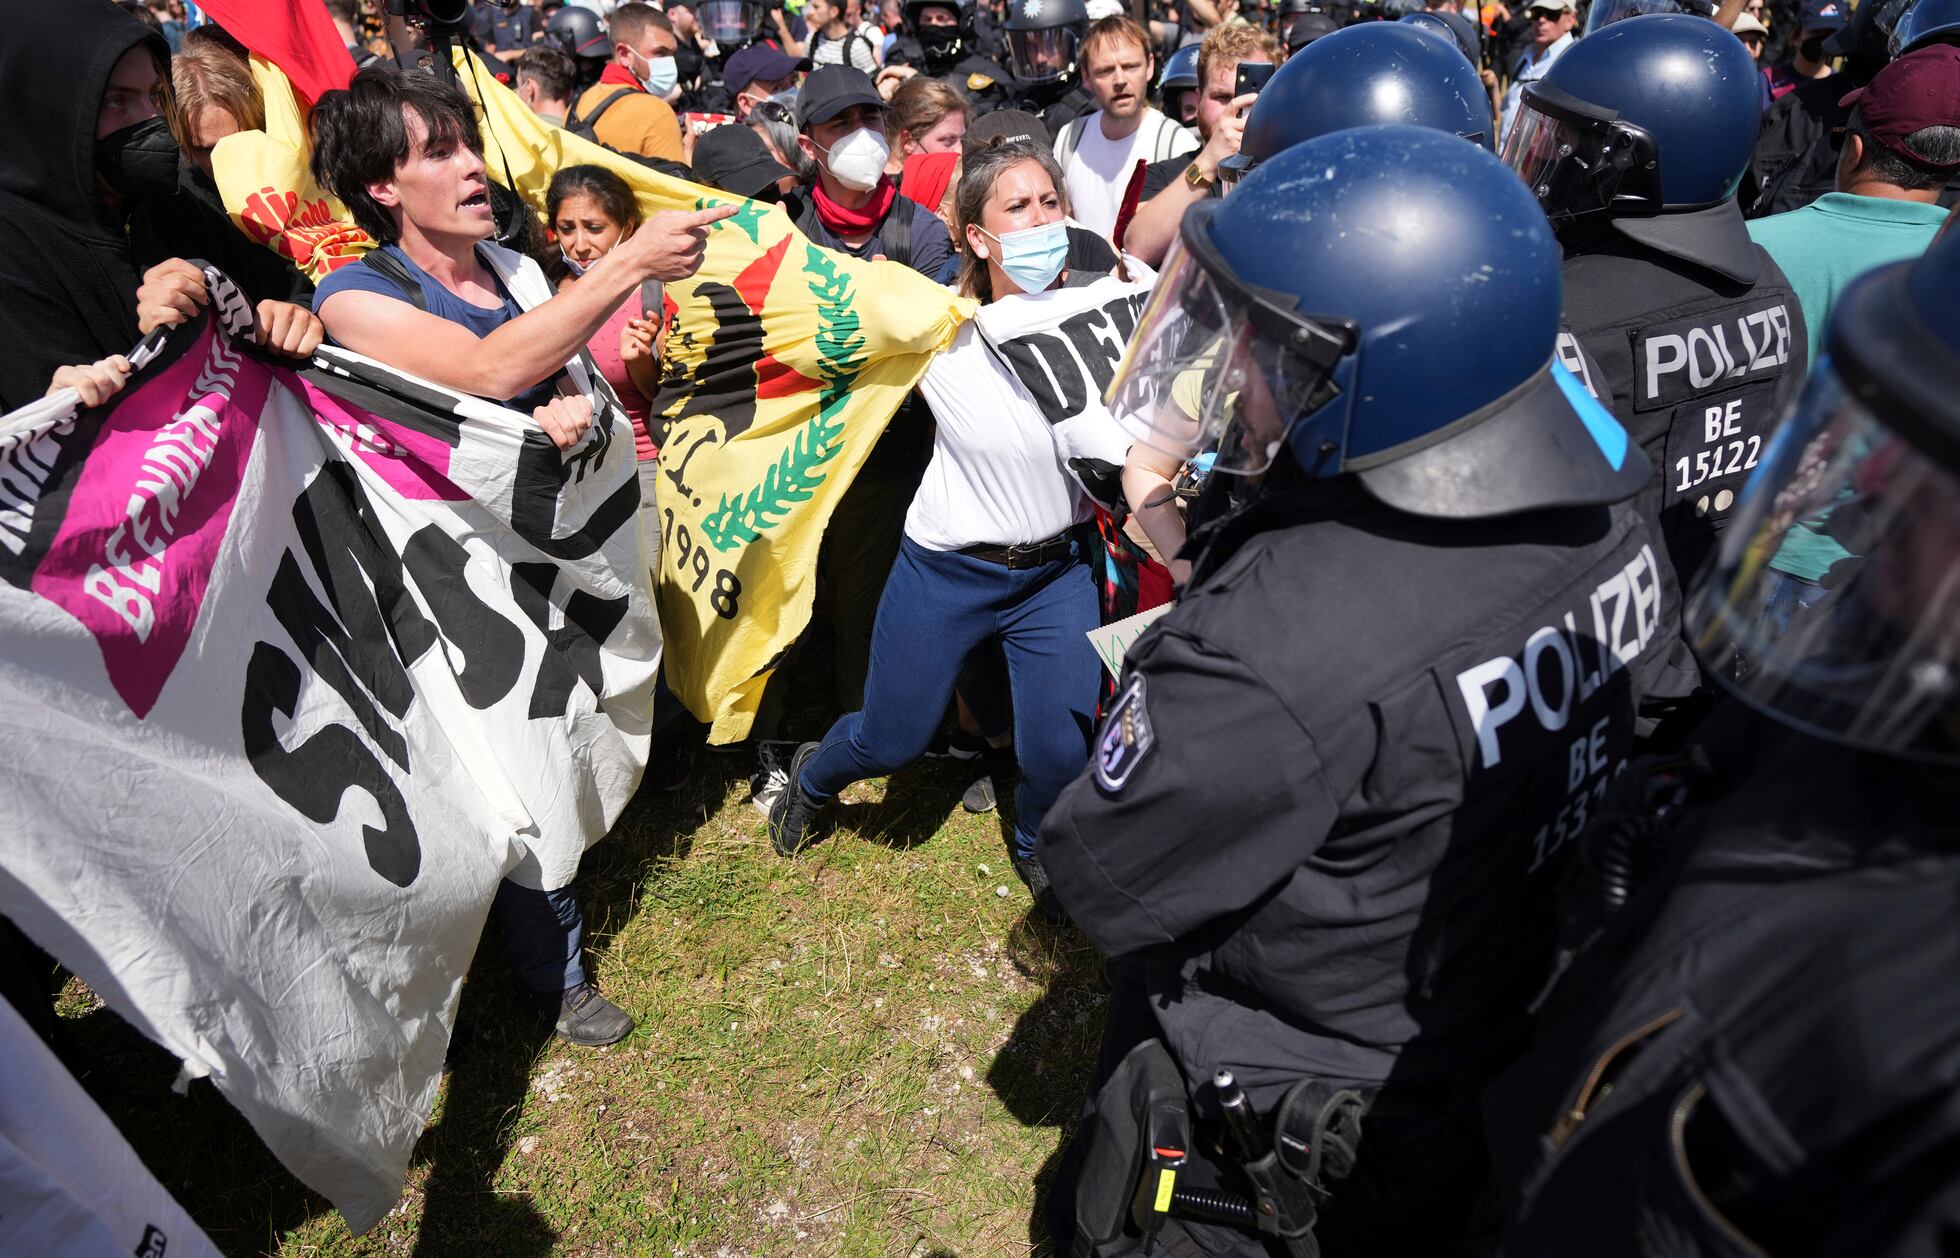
(858, 160)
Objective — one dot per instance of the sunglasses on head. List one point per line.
(1543, 15)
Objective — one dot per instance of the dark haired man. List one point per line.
(403, 153)
(626, 107)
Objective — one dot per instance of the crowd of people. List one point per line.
(1546, 424)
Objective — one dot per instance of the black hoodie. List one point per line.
(69, 265)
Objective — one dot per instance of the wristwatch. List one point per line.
(1195, 175)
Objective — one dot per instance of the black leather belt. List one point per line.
(1028, 555)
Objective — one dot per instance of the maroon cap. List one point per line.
(1919, 90)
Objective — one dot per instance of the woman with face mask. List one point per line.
(995, 544)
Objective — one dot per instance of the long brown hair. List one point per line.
(978, 172)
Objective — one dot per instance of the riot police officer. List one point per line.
(583, 37)
(1177, 86)
(938, 39)
(1760, 1053)
(1044, 50)
(1635, 141)
(1398, 680)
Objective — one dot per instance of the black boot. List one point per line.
(796, 820)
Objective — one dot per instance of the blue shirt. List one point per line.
(361, 278)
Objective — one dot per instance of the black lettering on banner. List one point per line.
(154, 1242)
(313, 776)
(1709, 354)
(571, 651)
(1124, 312)
(1046, 367)
(492, 648)
(542, 474)
(691, 559)
(362, 648)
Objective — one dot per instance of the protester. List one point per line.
(402, 151)
(927, 117)
(170, 21)
(213, 96)
(591, 210)
(91, 189)
(1901, 146)
(736, 160)
(345, 15)
(1100, 151)
(833, 41)
(1821, 20)
(1308, 876)
(1550, 23)
(993, 547)
(547, 79)
(757, 73)
(625, 108)
(1173, 186)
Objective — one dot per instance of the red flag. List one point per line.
(295, 35)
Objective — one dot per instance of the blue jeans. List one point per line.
(938, 608)
(542, 934)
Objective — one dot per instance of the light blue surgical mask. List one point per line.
(662, 73)
(1033, 256)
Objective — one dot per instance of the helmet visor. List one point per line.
(1606, 12)
(1572, 156)
(1835, 604)
(1042, 56)
(730, 22)
(1216, 376)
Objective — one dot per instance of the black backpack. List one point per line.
(582, 127)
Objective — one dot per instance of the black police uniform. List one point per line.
(501, 29)
(1761, 1054)
(982, 81)
(1056, 104)
(1695, 341)
(1319, 807)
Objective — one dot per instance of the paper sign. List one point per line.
(1112, 642)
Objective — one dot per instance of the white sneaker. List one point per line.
(771, 776)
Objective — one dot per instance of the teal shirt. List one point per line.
(1822, 248)
(1835, 239)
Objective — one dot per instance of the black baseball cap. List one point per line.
(1009, 125)
(759, 61)
(831, 90)
(732, 157)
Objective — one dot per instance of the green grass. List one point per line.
(865, 1051)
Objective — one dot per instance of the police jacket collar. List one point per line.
(1715, 238)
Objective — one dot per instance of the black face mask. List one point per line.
(941, 44)
(138, 162)
(1812, 48)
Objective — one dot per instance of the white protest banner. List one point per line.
(1112, 642)
(298, 668)
(70, 1185)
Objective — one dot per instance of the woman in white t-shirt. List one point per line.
(994, 543)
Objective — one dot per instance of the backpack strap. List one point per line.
(390, 268)
(896, 231)
(576, 123)
(1071, 135)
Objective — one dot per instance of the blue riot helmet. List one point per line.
(1651, 115)
(1834, 603)
(1606, 12)
(1376, 72)
(1306, 28)
(1044, 38)
(1177, 86)
(1341, 305)
(1924, 23)
(1436, 24)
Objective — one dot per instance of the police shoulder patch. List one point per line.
(977, 82)
(1126, 736)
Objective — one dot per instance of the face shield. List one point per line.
(730, 23)
(1835, 604)
(1042, 56)
(1218, 371)
(1578, 158)
(1606, 12)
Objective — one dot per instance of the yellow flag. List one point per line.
(784, 364)
(270, 193)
